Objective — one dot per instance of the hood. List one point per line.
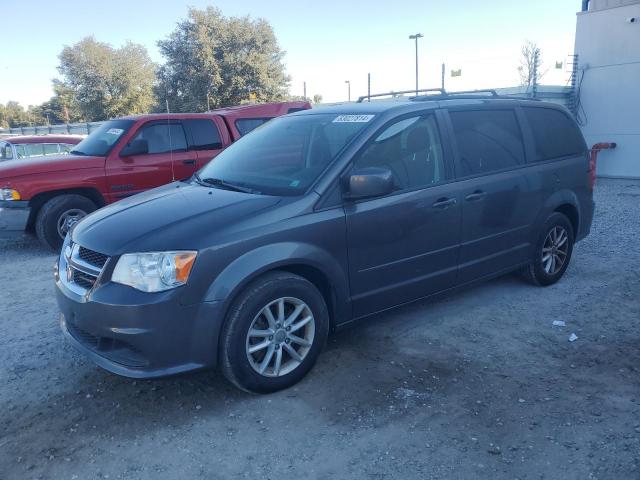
(53, 163)
(173, 217)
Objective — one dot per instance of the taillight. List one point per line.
(593, 157)
(592, 167)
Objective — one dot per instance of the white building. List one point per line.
(608, 81)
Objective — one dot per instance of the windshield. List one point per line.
(100, 142)
(287, 154)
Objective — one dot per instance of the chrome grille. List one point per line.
(94, 258)
(82, 267)
(84, 280)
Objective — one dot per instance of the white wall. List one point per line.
(608, 49)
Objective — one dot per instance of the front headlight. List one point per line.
(9, 194)
(154, 271)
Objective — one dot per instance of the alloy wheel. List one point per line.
(280, 337)
(555, 250)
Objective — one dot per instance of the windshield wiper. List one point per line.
(78, 152)
(218, 182)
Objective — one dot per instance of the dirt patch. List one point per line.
(479, 385)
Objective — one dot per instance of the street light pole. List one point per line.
(348, 82)
(416, 37)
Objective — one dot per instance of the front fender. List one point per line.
(252, 264)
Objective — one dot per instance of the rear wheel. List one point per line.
(58, 215)
(274, 333)
(553, 251)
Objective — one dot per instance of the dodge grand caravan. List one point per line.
(320, 218)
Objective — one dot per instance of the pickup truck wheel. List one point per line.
(58, 215)
(273, 333)
(552, 253)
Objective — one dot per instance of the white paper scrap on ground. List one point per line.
(573, 337)
(559, 323)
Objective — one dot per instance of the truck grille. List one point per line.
(82, 267)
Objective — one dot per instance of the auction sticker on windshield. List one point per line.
(352, 118)
(115, 131)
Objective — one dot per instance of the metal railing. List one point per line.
(83, 128)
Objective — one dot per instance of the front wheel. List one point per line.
(274, 333)
(553, 251)
(58, 215)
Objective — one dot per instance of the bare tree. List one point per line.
(317, 98)
(530, 61)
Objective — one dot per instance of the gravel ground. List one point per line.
(479, 385)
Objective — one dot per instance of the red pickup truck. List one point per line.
(122, 157)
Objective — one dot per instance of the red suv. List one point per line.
(122, 157)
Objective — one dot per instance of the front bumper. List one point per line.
(137, 334)
(14, 216)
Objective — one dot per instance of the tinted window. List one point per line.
(488, 141)
(204, 134)
(411, 149)
(101, 141)
(284, 156)
(554, 133)
(163, 138)
(245, 125)
(66, 147)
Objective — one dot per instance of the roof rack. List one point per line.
(441, 94)
(361, 99)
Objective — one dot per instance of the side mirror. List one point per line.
(369, 182)
(137, 147)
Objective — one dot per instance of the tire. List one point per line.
(53, 213)
(538, 272)
(247, 312)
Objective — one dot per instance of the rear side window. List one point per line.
(245, 125)
(488, 141)
(554, 133)
(204, 134)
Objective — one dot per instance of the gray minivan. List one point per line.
(317, 219)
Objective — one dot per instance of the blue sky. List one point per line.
(326, 42)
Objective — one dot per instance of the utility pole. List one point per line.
(304, 86)
(442, 76)
(348, 82)
(369, 87)
(416, 37)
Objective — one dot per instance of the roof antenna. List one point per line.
(166, 99)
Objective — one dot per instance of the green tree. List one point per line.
(14, 115)
(317, 98)
(216, 61)
(106, 82)
(62, 107)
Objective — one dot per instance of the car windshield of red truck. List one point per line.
(285, 155)
(100, 142)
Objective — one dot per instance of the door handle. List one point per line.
(189, 162)
(477, 195)
(444, 203)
